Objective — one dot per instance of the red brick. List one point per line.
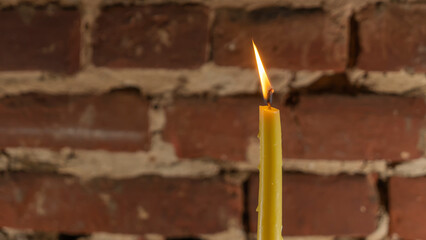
(287, 38)
(392, 37)
(40, 38)
(364, 127)
(217, 129)
(168, 206)
(157, 36)
(115, 121)
(318, 205)
(319, 127)
(407, 207)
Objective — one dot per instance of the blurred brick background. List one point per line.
(126, 119)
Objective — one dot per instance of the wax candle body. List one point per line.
(270, 175)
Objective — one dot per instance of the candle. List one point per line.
(269, 225)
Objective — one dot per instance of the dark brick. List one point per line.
(40, 39)
(392, 37)
(286, 38)
(115, 121)
(407, 207)
(168, 206)
(318, 205)
(157, 36)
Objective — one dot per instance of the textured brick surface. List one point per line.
(317, 205)
(46, 38)
(213, 129)
(170, 206)
(115, 121)
(392, 37)
(407, 205)
(319, 127)
(166, 36)
(363, 127)
(286, 38)
(169, 50)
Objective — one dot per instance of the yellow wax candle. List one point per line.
(269, 224)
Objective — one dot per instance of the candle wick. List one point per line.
(269, 98)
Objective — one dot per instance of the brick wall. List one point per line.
(125, 119)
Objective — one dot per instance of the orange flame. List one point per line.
(264, 80)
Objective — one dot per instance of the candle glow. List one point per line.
(264, 80)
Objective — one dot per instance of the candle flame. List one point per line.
(267, 89)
